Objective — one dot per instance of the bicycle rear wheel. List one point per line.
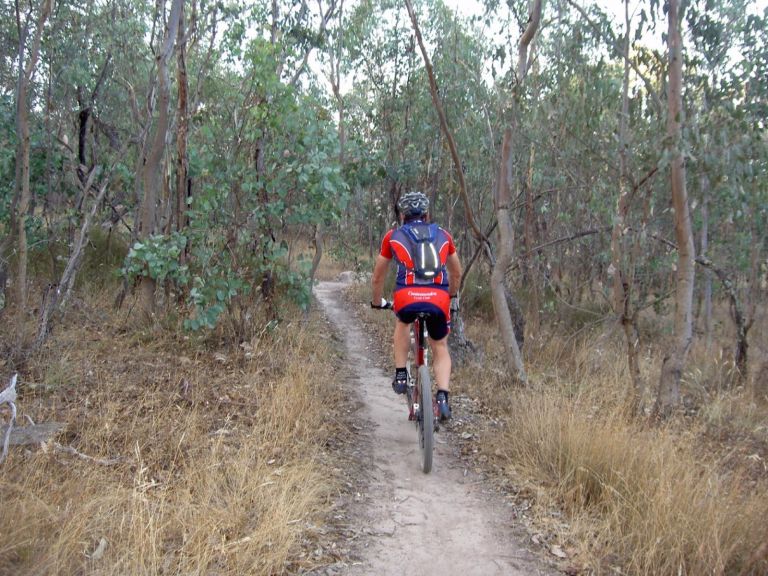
(426, 419)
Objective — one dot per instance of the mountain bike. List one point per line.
(422, 406)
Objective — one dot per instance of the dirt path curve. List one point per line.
(442, 523)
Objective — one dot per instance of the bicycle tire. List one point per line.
(426, 420)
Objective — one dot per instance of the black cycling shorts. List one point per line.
(438, 326)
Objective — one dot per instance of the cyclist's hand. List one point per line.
(454, 306)
(383, 305)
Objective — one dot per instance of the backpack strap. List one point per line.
(421, 232)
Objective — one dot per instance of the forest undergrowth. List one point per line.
(179, 454)
(603, 492)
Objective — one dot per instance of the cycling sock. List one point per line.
(443, 392)
(401, 374)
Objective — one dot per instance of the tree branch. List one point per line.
(534, 18)
(444, 126)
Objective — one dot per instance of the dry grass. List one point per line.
(639, 498)
(223, 466)
(643, 499)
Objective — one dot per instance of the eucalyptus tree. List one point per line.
(503, 201)
(30, 32)
(267, 166)
(727, 102)
(154, 154)
(237, 209)
(668, 397)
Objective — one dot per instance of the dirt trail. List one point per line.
(444, 523)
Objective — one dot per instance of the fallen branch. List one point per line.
(8, 396)
(69, 450)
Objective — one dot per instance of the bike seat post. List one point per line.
(422, 328)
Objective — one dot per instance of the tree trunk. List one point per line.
(506, 231)
(59, 294)
(529, 269)
(183, 187)
(704, 247)
(335, 77)
(23, 191)
(503, 262)
(668, 398)
(152, 171)
(444, 126)
(318, 242)
(738, 314)
(622, 263)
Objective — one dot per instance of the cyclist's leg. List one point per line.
(439, 328)
(441, 363)
(402, 336)
(402, 342)
(442, 366)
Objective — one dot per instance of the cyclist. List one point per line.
(412, 296)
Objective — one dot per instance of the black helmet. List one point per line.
(413, 205)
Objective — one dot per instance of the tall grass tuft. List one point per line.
(651, 497)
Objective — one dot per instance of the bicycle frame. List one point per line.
(420, 353)
(420, 349)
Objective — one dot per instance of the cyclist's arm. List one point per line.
(380, 268)
(453, 265)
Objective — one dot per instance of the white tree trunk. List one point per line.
(672, 369)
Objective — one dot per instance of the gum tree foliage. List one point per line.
(262, 151)
(263, 156)
(391, 106)
(263, 161)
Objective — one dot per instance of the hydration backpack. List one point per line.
(420, 239)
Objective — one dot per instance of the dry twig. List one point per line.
(74, 452)
(8, 396)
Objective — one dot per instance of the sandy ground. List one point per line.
(443, 523)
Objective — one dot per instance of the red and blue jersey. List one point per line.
(410, 293)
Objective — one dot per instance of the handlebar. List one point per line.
(387, 305)
(384, 305)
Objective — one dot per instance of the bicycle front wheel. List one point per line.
(426, 420)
